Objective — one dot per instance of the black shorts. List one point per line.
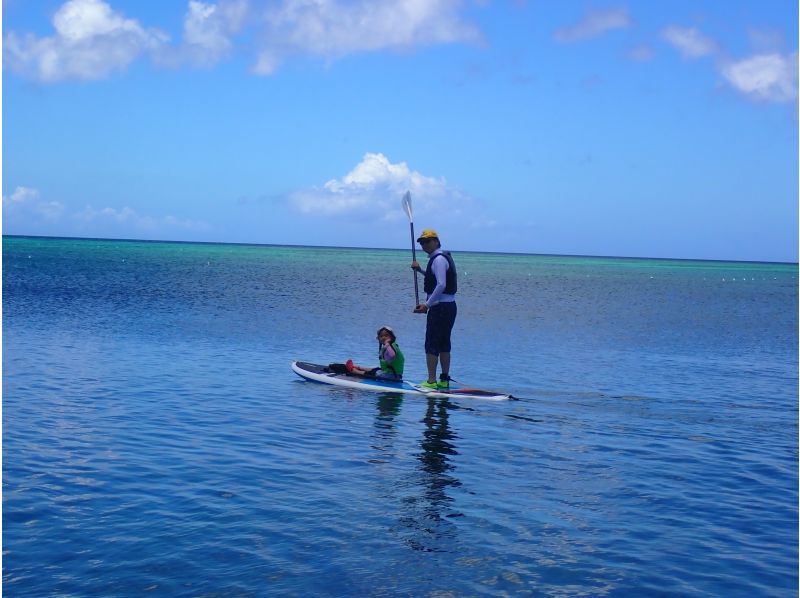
(441, 318)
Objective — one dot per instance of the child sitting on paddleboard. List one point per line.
(390, 356)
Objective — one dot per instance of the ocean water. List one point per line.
(156, 441)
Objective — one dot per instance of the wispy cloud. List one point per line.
(136, 221)
(690, 42)
(640, 53)
(332, 29)
(91, 41)
(25, 208)
(595, 24)
(764, 77)
(766, 40)
(374, 188)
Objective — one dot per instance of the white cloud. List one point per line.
(21, 195)
(208, 31)
(25, 207)
(138, 222)
(332, 29)
(765, 77)
(84, 19)
(374, 188)
(690, 42)
(91, 41)
(594, 24)
(25, 204)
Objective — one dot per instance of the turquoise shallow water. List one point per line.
(155, 440)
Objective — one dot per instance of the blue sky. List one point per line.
(653, 129)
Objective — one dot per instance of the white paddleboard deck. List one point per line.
(321, 373)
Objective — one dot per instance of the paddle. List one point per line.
(410, 213)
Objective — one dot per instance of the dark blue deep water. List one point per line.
(156, 441)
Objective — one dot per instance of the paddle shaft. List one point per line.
(414, 257)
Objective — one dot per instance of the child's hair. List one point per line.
(389, 330)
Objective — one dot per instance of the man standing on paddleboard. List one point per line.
(440, 287)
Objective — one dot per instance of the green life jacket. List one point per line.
(397, 364)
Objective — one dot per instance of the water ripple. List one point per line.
(156, 443)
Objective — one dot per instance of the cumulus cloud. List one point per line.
(21, 195)
(25, 203)
(690, 42)
(595, 24)
(91, 41)
(331, 29)
(764, 77)
(208, 33)
(374, 188)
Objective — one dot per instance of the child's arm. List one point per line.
(388, 352)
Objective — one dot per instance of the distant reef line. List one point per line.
(400, 249)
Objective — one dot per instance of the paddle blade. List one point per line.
(407, 206)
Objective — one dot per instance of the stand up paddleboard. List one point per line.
(322, 374)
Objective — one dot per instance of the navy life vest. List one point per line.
(451, 282)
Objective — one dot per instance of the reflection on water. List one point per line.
(436, 449)
(424, 523)
(388, 409)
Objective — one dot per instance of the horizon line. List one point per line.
(520, 253)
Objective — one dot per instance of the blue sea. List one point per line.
(156, 441)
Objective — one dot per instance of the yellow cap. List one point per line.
(428, 233)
